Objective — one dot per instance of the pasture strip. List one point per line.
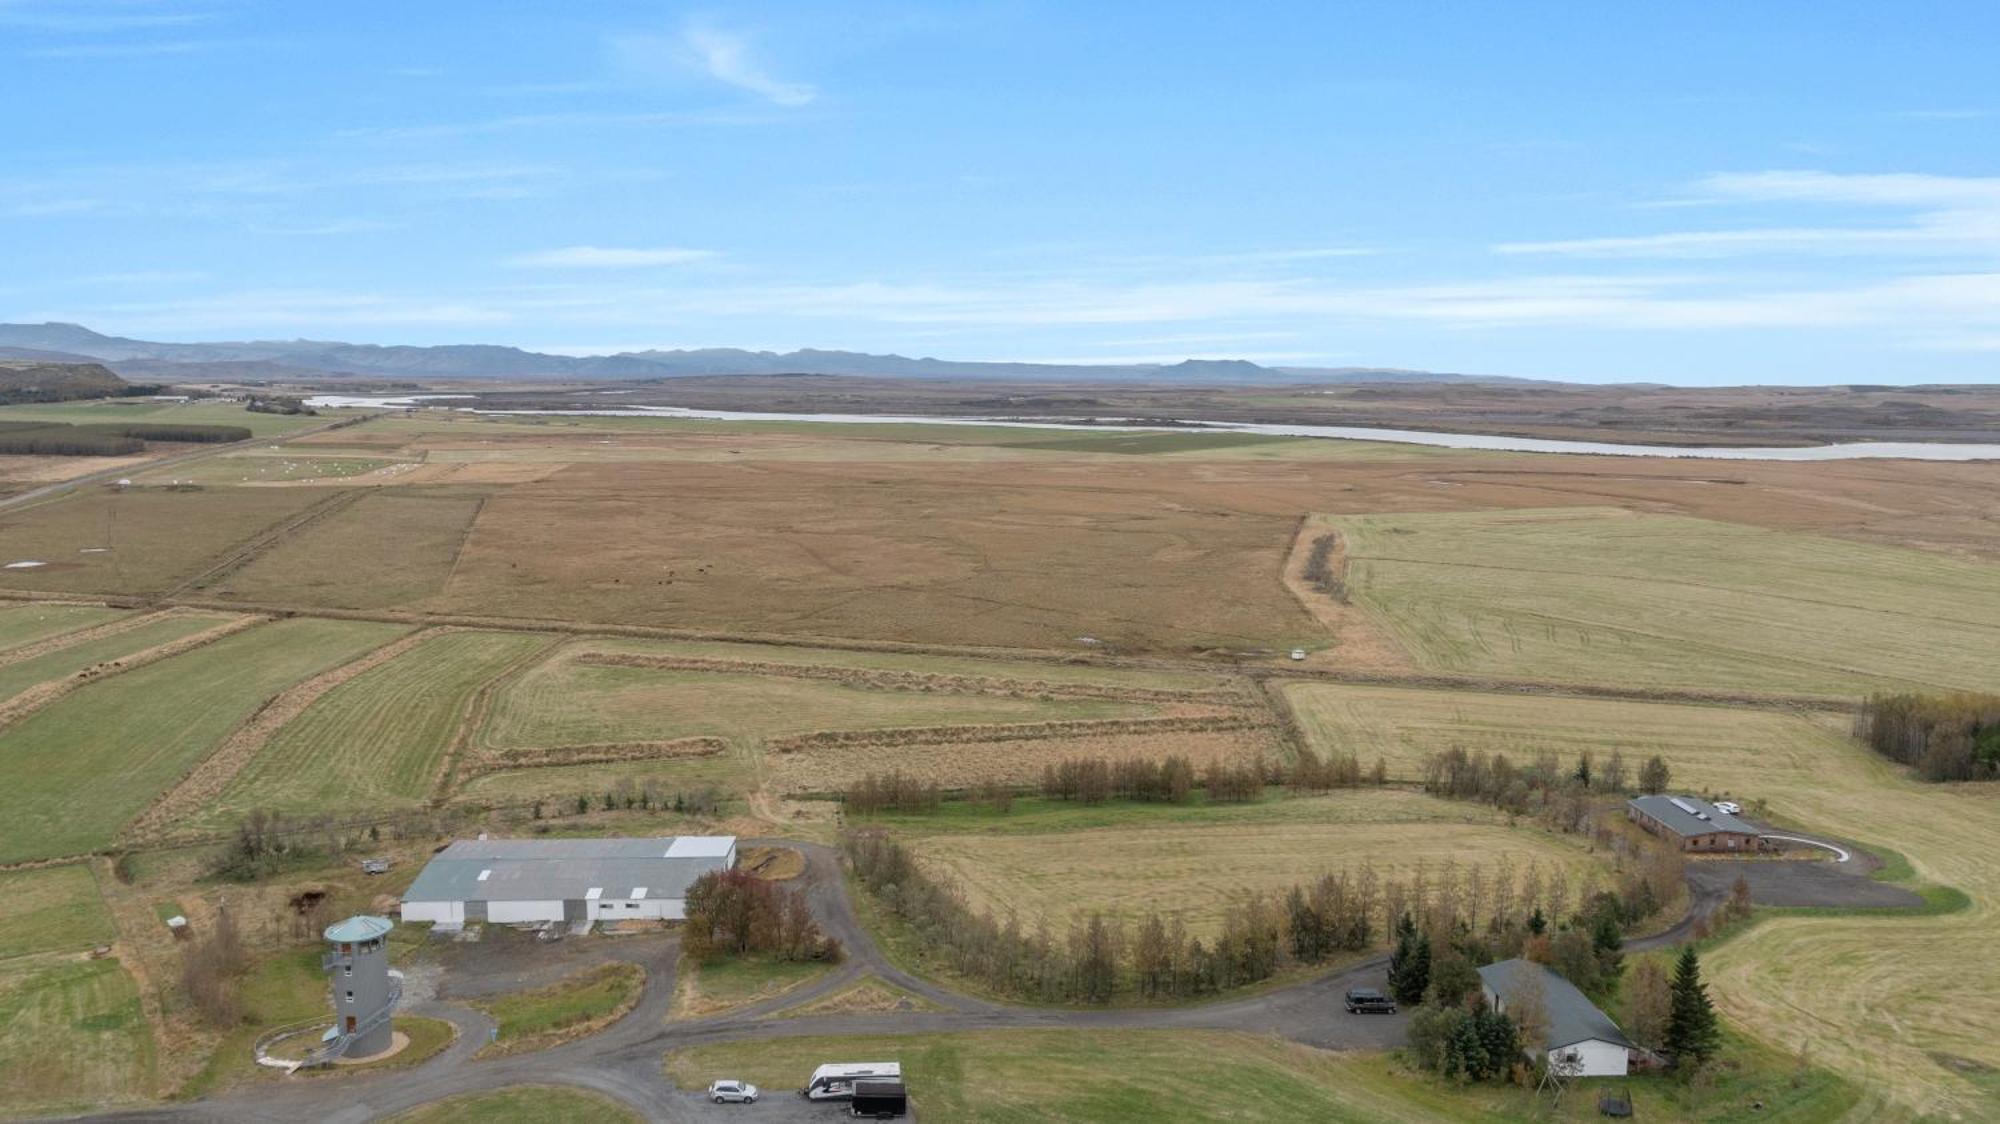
(29, 631)
(41, 695)
(887, 680)
(212, 774)
(265, 540)
(1019, 731)
(465, 734)
(602, 753)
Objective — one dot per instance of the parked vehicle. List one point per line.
(1728, 807)
(728, 1092)
(880, 1099)
(835, 1081)
(1368, 1001)
(374, 866)
(1298, 653)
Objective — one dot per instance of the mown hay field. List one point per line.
(1882, 999)
(567, 702)
(140, 540)
(1610, 596)
(1201, 871)
(377, 741)
(27, 623)
(973, 760)
(1404, 726)
(52, 909)
(61, 663)
(271, 464)
(73, 1037)
(732, 772)
(77, 770)
(393, 547)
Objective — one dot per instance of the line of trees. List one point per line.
(1943, 737)
(105, 439)
(736, 912)
(1318, 570)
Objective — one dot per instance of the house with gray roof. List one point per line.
(1581, 1038)
(513, 881)
(1693, 824)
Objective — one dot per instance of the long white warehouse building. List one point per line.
(508, 881)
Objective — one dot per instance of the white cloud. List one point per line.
(609, 257)
(1909, 189)
(725, 56)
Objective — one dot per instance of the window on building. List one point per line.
(350, 995)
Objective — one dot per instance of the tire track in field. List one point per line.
(212, 774)
(62, 640)
(42, 694)
(264, 541)
(464, 742)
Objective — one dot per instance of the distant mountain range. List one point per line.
(315, 359)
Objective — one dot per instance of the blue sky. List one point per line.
(1696, 193)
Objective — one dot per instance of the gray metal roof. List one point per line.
(475, 870)
(1572, 1017)
(1669, 811)
(360, 927)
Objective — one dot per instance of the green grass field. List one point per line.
(79, 769)
(1405, 726)
(731, 772)
(65, 662)
(53, 909)
(27, 623)
(73, 1037)
(530, 1019)
(709, 987)
(522, 1104)
(139, 539)
(1608, 596)
(566, 702)
(393, 547)
(1023, 1076)
(376, 741)
(155, 412)
(267, 465)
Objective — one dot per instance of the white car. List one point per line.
(1298, 653)
(1728, 807)
(723, 1092)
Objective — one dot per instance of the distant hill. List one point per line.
(265, 359)
(35, 380)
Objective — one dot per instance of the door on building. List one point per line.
(350, 1024)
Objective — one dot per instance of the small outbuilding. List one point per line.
(1581, 1039)
(514, 881)
(1693, 824)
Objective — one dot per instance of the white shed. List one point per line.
(1581, 1038)
(515, 881)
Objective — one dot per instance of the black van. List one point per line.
(1366, 1000)
(880, 1099)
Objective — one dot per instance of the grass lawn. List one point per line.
(393, 547)
(709, 987)
(1201, 870)
(562, 784)
(53, 909)
(25, 624)
(377, 740)
(565, 702)
(72, 1037)
(1609, 596)
(522, 1104)
(1021, 1076)
(138, 538)
(65, 662)
(544, 1016)
(79, 769)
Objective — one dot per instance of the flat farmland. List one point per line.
(392, 547)
(77, 770)
(154, 412)
(137, 540)
(73, 1036)
(273, 464)
(1200, 870)
(969, 759)
(1609, 596)
(923, 553)
(733, 772)
(27, 623)
(63, 662)
(566, 702)
(1405, 726)
(376, 741)
(53, 909)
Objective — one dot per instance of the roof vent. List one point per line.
(1684, 806)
